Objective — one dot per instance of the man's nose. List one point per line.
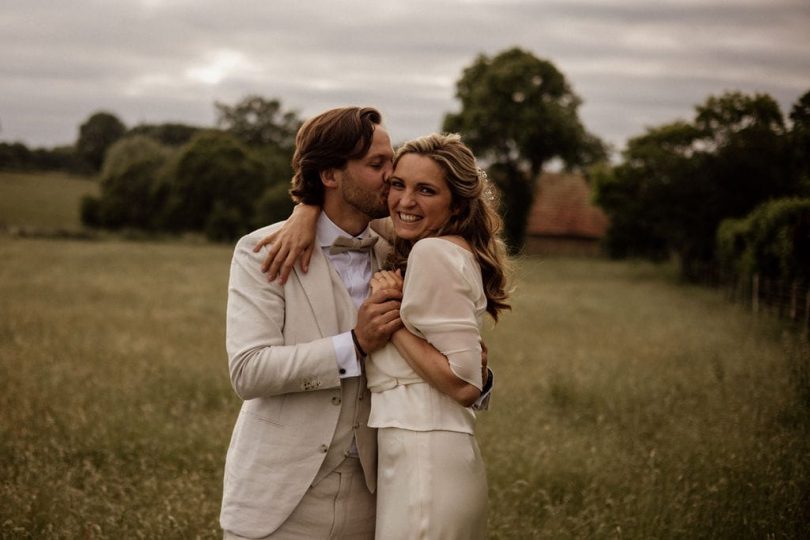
(388, 170)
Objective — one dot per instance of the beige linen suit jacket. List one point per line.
(282, 364)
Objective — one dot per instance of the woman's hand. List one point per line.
(386, 279)
(294, 241)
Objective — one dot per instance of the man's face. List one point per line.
(363, 181)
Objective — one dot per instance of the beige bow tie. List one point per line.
(343, 244)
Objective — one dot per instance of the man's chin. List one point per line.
(378, 213)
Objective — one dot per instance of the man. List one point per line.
(302, 461)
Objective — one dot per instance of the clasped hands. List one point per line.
(387, 283)
(378, 316)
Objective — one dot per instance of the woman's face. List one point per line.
(419, 198)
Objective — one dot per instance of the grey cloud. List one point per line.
(635, 63)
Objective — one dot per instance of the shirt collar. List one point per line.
(326, 231)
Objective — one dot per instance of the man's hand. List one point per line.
(377, 319)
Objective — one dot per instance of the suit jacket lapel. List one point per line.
(317, 284)
(379, 253)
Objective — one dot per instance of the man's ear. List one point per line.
(328, 178)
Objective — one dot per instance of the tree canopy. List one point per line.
(257, 121)
(800, 139)
(678, 181)
(132, 190)
(215, 184)
(170, 134)
(96, 135)
(183, 178)
(518, 112)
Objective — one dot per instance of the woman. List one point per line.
(431, 478)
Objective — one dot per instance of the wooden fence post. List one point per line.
(794, 293)
(807, 314)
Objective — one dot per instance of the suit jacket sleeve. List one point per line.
(260, 363)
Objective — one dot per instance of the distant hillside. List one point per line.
(46, 200)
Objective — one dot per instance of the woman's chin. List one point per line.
(408, 233)
(405, 234)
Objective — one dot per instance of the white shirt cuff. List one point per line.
(482, 403)
(348, 364)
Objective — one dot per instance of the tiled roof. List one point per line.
(563, 207)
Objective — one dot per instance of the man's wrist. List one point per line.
(348, 363)
(360, 351)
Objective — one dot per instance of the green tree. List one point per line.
(15, 156)
(259, 122)
(170, 134)
(133, 193)
(18, 157)
(262, 125)
(518, 112)
(773, 241)
(650, 190)
(274, 205)
(745, 136)
(678, 181)
(800, 141)
(96, 135)
(216, 182)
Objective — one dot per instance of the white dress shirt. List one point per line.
(354, 269)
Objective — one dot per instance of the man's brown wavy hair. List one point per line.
(328, 141)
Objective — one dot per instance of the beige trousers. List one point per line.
(430, 485)
(339, 507)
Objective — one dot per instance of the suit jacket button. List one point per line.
(336, 400)
(342, 371)
(324, 448)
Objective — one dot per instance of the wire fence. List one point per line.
(787, 300)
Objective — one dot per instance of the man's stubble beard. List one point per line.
(371, 203)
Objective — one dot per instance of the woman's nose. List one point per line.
(406, 199)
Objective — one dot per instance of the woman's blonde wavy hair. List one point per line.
(475, 217)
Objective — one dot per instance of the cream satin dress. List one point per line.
(431, 481)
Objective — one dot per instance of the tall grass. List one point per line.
(47, 200)
(626, 406)
(116, 406)
(632, 407)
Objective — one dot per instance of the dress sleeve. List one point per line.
(439, 304)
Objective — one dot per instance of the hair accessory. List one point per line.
(489, 192)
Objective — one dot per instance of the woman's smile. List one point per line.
(408, 218)
(419, 198)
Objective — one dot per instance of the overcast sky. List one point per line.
(635, 63)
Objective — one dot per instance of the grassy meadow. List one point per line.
(626, 405)
(44, 200)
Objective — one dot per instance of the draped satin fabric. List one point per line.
(431, 478)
